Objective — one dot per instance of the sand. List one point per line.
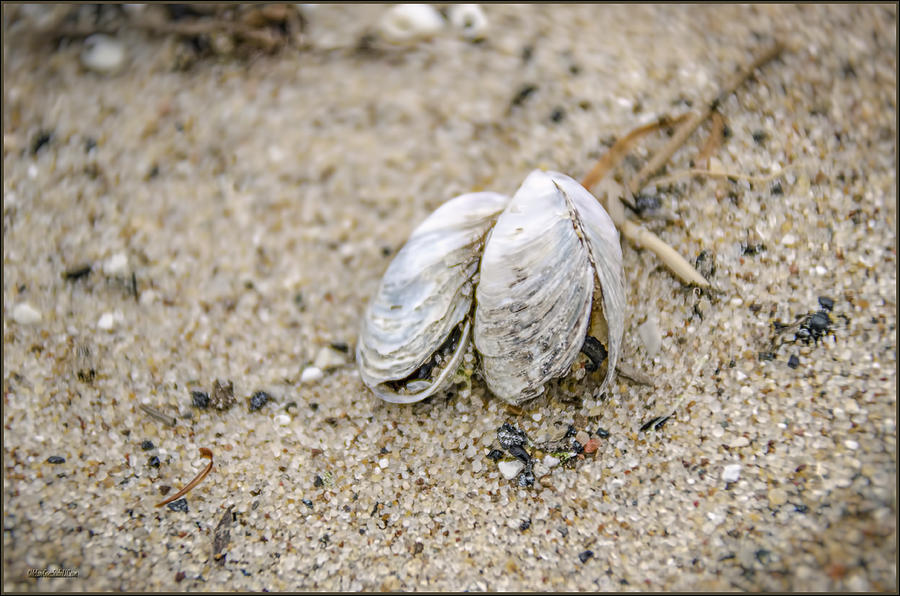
(232, 219)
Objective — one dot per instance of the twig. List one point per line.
(620, 148)
(690, 125)
(205, 453)
(714, 140)
(644, 238)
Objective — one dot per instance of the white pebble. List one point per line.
(407, 22)
(25, 314)
(510, 469)
(328, 359)
(789, 240)
(282, 420)
(383, 463)
(540, 470)
(551, 461)
(311, 374)
(731, 473)
(469, 19)
(650, 336)
(103, 53)
(536, 416)
(116, 265)
(740, 442)
(107, 321)
(851, 444)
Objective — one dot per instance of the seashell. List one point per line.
(417, 327)
(537, 296)
(408, 22)
(469, 19)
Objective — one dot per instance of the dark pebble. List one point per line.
(318, 482)
(179, 505)
(576, 447)
(793, 361)
(42, 139)
(179, 577)
(526, 477)
(147, 445)
(200, 399)
(752, 249)
(801, 508)
(340, 346)
(526, 523)
(153, 462)
(89, 145)
(759, 136)
(523, 94)
(570, 432)
(583, 557)
(307, 502)
(602, 433)
(765, 356)
(563, 530)
(776, 189)
(509, 436)
(519, 453)
(558, 115)
(259, 399)
(826, 302)
(56, 459)
(646, 203)
(495, 454)
(77, 273)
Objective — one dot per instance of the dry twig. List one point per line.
(205, 453)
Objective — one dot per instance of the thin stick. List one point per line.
(620, 148)
(164, 418)
(714, 140)
(644, 238)
(690, 125)
(205, 453)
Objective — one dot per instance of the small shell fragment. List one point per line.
(103, 53)
(409, 22)
(25, 314)
(469, 19)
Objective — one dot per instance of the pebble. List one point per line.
(56, 459)
(789, 240)
(740, 442)
(179, 505)
(259, 399)
(582, 438)
(25, 314)
(551, 461)
(107, 321)
(541, 470)
(153, 461)
(328, 359)
(583, 557)
(200, 399)
(282, 420)
(495, 454)
(222, 395)
(311, 374)
(777, 497)
(851, 444)
(731, 473)
(591, 446)
(103, 53)
(409, 22)
(650, 336)
(116, 265)
(147, 445)
(469, 19)
(510, 469)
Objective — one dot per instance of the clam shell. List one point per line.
(425, 294)
(534, 298)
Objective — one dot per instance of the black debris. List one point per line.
(385, 252)
(765, 356)
(595, 351)
(76, 273)
(759, 136)
(340, 346)
(495, 454)
(200, 399)
(318, 482)
(526, 476)
(826, 303)
(526, 523)
(222, 395)
(645, 202)
(776, 189)
(752, 249)
(519, 453)
(574, 69)
(602, 433)
(259, 399)
(56, 459)
(179, 505)
(558, 115)
(153, 462)
(509, 436)
(44, 137)
(89, 145)
(570, 432)
(814, 327)
(147, 445)
(307, 502)
(801, 508)
(523, 94)
(583, 557)
(793, 361)
(563, 530)
(576, 447)
(655, 423)
(706, 264)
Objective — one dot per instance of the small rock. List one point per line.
(551, 461)
(328, 359)
(56, 459)
(153, 462)
(740, 442)
(602, 433)
(789, 240)
(591, 446)
(469, 19)
(259, 399)
(510, 436)
(495, 454)
(116, 265)
(103, 53)
(541, 470)
(793, 361)
(510, 469)
(777, 497)
(731, 473)
(107, 321)
(179, 505)
(282, 420)
(582, 437)
(147, 445)
(307, 502)
(650, 336)
(200, 399)
(25, 314)
(583, 557)
(311, 374)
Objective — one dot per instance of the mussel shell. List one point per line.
(425, 294)
(536, 286)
